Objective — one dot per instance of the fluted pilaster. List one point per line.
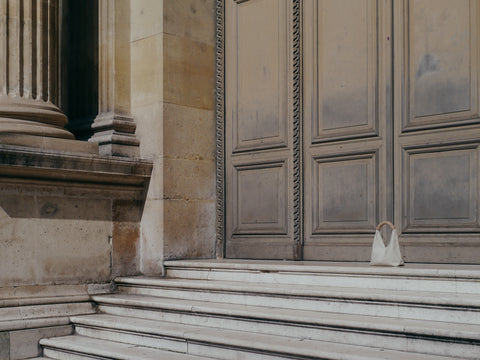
(114, 127)
(29, 86)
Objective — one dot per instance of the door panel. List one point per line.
(259, 176)
(442, 69)
(343, 67)
(436, 130)
(347, 182)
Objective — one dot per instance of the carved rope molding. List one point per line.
(220, 127)
(297, 129)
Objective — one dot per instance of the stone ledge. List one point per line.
(28, 163)
(50, 294)
(49, 143)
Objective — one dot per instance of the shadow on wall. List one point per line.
(67, 234)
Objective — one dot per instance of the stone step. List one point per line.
(224, 344)
(446, 278)
(80, 347)
(432, 337)
(422, 305)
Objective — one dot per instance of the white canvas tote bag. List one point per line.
(386, 255)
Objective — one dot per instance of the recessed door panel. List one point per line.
(259, 83)
(260, 194)
(441, 54)
(344, 56)
(344, 193)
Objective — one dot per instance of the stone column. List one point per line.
(114, 127)
(29, 90)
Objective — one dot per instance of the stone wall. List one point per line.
(76, 230)
(172, 102)
(68, 218)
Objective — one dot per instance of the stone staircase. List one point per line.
(282, 310)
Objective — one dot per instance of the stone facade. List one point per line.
(121, 146)
(155, 70)
(107, 138)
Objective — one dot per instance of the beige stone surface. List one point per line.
(42, 142)
(152, 241)
(189, 71)
(189, 179)
(24, 343)
(191, 19)
(150, 129)
(64, 231)
(36, 251)
(126, 237)
(156, 190)
(147, 71)
(150, 132)
(172, 101)
(122, 57)
(189, 132)
(190, 229)
(146, 18)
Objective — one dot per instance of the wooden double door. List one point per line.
(342, 113)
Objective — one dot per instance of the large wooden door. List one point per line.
(259, 140)
(389, 129)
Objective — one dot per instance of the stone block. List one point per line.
(147, 71)
(189, 179)
(125, 237)
(156, 187)
(24, 343)
(149, 120)
(192, 19)
(189, 229)
(53, 250)
(152, 237)
(189, 132)
(189, 73)
(146, 18)
(73, 250)
(4, 346)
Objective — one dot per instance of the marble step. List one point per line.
(412, 277)
(225, 344)
(76, 347)
(422, 305)
(434, 337)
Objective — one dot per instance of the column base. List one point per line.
(115, 135)
(32, 117)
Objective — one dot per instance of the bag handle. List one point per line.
(379, 226)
